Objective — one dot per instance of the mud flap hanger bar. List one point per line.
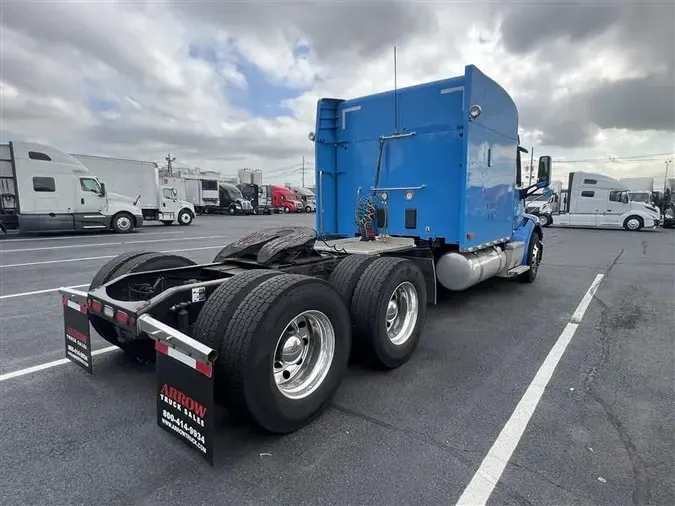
(77, 296)
(163, 333)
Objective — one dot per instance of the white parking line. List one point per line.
(66, 237)
(482, 484)
(84, 259)
(98, 245)
(49, 365)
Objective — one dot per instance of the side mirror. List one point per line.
(624, 198)
(103, 192)
(544, 172)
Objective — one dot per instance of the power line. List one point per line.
(611, 158)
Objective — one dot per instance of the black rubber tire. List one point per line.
(347, 273)
(181, 220)
(141, 349)
(369, 308)
(250, 340)
(104, 328)
(640, 221)
(232, 211)
(287, 210)
(115, 226)
(217, 311)
(153, 262)
(531, 274)
(107, 272)
(548, 220)
(167, 222)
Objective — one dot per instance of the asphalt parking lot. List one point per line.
(602, 432)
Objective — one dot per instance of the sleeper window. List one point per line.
(36, 155)
(44, 184)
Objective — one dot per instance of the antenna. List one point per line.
(395, 95)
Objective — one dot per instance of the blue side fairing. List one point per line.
(522, 231)
(325, 155)
(490, 148)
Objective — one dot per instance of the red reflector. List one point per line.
(95, 306)
(64, 301)
(122, 317)
(162, 348)
(203, 368)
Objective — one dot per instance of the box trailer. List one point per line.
(140, 181)
(202, 193)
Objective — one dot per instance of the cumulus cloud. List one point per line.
(591, 79)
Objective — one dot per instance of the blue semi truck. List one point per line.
(417, 188)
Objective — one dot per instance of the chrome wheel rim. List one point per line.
(304, 354)
(123, 223)
(536, 256)
(633, 223)
(185, 218)
(402, 311)
(542, 220)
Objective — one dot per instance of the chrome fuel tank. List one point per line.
(458, 271)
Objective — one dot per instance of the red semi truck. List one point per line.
(285, 199)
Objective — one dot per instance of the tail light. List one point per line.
(95, 305)
(122, 318)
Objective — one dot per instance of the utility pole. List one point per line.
(169, 159)
(665, 177)
(303, 171)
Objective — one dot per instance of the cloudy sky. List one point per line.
(231, 84)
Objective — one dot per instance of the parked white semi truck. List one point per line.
(306, 196)
(596, 200)
(140, 181)
(546, 203)
(43, 189)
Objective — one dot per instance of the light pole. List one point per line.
(665, 177)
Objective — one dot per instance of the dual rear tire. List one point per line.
(284, 340)
(387, 300)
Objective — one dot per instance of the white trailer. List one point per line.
(203, 193)
(641, 189)
(43, 189)
(598, 201)
(140, 181)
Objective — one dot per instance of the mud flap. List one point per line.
(77, 334)
(185, 400)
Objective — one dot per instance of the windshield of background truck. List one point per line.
(640, 197)
(533, 198)
(233, 192)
